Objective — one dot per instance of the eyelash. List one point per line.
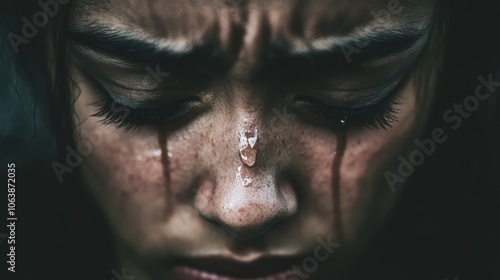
(379, 116)
(121, 116)
(374, 117)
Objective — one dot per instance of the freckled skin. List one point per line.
(211, 203)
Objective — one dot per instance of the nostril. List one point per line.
(250, 232)
(248, 222)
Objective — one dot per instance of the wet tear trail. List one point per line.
(336, 176)
(165, 161)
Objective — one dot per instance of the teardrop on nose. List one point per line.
(248, 147)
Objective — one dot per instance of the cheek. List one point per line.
(140, 177)
(124, 171)
(345, 171)
(365, 196)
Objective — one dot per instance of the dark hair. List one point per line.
(42, 102)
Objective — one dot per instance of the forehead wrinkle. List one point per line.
(157, 19)
(303, 22)
(300, 19)
(288, 18)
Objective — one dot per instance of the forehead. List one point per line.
(194, 19)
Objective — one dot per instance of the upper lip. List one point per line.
(260, 267)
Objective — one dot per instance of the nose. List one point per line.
(248, 203)
(248, 195)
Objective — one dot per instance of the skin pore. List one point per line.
(208, 169)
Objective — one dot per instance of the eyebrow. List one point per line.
(380, 41)
(312, 60)
(316, 56)
(142, 50)
(345, 51)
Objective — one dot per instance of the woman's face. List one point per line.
(245, 138)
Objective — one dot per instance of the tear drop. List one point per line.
(336, 176)
(247, 148)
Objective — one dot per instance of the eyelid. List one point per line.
(357, 98)
(139, 99)
(374, 116)
(126, 78)
(410, 54)
(138, 79)
(80, 52)
(144, 87)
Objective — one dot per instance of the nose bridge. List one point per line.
(247, 198)
(255, 40)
